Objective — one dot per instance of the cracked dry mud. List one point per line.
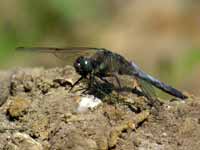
(38, 112)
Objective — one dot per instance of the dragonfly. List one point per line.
(91, 63)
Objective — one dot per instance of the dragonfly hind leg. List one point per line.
(117, 79)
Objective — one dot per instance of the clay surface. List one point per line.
(39, 112)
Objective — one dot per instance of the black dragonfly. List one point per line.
(101, 63)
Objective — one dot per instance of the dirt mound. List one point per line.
(39, 112)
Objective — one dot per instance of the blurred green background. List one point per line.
(160, 36)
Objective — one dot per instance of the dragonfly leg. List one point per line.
(81, 78)
(103, 79)
(101, 89)
(91, 82)
(111, 75)
(117, 79)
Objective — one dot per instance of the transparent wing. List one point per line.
(64, 53)
(145, 86)
(147, 89)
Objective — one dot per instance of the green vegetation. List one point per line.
(33, 22)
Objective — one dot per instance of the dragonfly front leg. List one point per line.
(91, 82)
(81, 78)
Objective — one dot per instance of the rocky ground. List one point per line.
(37, 111)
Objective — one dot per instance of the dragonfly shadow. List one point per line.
(101, 90)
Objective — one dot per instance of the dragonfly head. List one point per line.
(83, 65)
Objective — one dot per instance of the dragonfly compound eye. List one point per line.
(83, 66)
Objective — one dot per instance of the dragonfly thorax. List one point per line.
(83, 65)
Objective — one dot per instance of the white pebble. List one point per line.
(88, 102)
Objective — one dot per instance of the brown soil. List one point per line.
(38, 112)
